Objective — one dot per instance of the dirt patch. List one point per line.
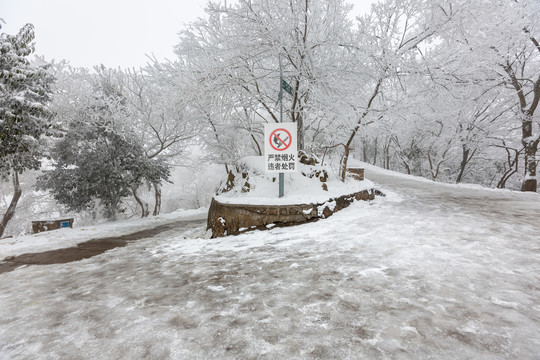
(85, 249)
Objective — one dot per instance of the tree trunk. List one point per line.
(387, 155)
(513, 164)
(217, 141)
(357, 127)
(530, 149)
(433, 175)
(144, 209)
(465, 159)
(296, 115)
(508, 174)
(12, 205)
(157, 195)
(376, 148)
(257, 144)
(407, 167)
(345, 161)
(530, 143)
(300, 135)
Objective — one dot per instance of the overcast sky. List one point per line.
(110, 32)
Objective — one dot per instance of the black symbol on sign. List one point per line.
(279, 143)
(280, 139)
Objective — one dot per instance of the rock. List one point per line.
(379, 193)
(306, 159)
(327, 212)
(229, 184)
(246, 187)
(321, 174)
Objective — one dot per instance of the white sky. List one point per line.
(110, 32)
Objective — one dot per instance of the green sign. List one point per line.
(286, 87)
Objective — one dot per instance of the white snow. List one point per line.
(431, 271)
(298, 188)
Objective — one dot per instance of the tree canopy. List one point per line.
(25, 92)
(445, 89)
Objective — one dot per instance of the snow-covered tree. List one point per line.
(95, 163)
(232, 59)
(498, 40)
(159, 115)
(25, 91)
(386, 45)
(144, 105)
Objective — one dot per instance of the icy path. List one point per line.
(430, 272)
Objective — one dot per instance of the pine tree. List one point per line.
(25, 119)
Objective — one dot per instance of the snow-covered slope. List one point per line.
(299, 189)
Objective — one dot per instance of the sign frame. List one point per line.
(278, 160)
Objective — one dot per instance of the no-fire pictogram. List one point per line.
(280, 139)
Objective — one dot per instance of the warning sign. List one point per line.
(280, 149)
(280, 139)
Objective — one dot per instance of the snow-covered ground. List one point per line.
(64, 238)
(432, 271)
(298, 188)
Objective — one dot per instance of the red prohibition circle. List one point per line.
(279, 141)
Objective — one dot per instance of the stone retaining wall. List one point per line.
(233, 219)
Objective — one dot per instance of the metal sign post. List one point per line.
(280, 147)
(281, 175)
(280, 141)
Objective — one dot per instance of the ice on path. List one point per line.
(431, 271)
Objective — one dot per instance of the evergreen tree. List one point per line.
(25, 91)
(98, 165)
